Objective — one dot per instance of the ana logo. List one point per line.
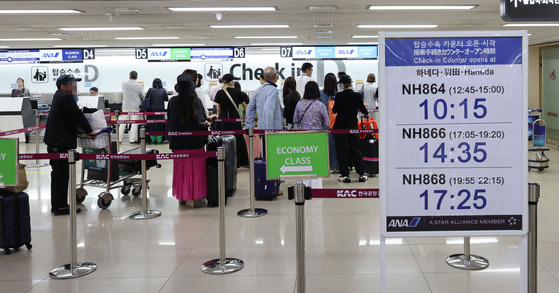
(158, 54)
(402, 223)
(345, 52)
(303, 52)
(50, 55)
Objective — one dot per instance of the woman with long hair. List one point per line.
(157, 96)
(186, 113)
(290, 99)
(310, 113)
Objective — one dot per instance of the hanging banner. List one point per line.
(454, 145)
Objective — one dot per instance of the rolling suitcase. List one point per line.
(229, 142)
(15, 221)
(369, 148)
(264, 189)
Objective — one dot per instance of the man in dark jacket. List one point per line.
(346, 106)
(60, 136)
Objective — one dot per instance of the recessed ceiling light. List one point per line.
(178, 45)
(276, 44)
(363, 43)
(80, 46)
(30, 39)
(322, 7)
(4, 46)
(26, 29)
(323, 25)
(221, 9)
(103, 28)
(364, 37)
(265, 37)
(397, 26)
(90, 39)
(176, 27)
(324, 32)
(531, 24)
(60, 34)
(422, 7)
(324, 37)
(251, 26)
(147, 38)
(208, 38)
(123, 10)
(39, 11)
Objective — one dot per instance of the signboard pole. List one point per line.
(252, 212)
(144, 214)
(467, 261)
(299, 198)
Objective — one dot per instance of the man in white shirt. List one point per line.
(132, 96)
(306, 73)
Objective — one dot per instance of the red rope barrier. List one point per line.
(114, 157)
(27, 129)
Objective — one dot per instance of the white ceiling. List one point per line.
(154, 17)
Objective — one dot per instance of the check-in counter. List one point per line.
(91, 102)
(16, 113)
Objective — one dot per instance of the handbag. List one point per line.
(297, 125)
(22, 182)
(96, 119)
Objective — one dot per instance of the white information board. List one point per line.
(453, 139)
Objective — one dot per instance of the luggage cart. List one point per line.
(538, 159)
(109, 174)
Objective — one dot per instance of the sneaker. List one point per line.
(344, 179)
(363, 178)
(64, 211)
(334, 171)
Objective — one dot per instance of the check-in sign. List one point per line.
(8, 162)
(297, 153)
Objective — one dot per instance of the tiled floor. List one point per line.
(342, 245)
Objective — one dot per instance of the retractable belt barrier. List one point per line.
(26, 129)
(123, 157)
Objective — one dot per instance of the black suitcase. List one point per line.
(229, 142)
(369, 148)
(133, 166)
(15, 221)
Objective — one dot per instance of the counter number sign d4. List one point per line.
(297, 153)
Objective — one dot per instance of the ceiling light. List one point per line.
(323, 25)
(276, 44)
(206, 38)
(37, 11)
(324, 32)
(80, 46)
(60, 34)
(25, 29)
(221, 9)
(251, 26)
(265, 37)
(324, 37)
(30, 39)
(531, 24)
(364, 37)
(179, 45)
(422, 7)
(176, 27)
(148, 38)
(4, 46)
(322, 8)
(269, 49)
(103, 28)
(91, 39)
(363, 43)
(399, 26)
(123, 10)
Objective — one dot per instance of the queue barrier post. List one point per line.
(299, 192)
(252, 212)
(117, 113)
(37, 122)
(533, 197)
(467, 261)
(144, 214)
(221, 265)
(74, 269)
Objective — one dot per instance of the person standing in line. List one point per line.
(228, 100)
(186, 113)
(327, 97)
(93, 91)
(60, 136)
(369, 93)
(310, 113)
(157, 96)
(21, 90)
(290, 99)
(306, 74)
(132, 95)
(340, 74)
(347, 145)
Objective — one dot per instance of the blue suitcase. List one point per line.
(264, 189)
(15, 221)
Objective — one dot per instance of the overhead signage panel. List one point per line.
(530, 10)
(19, 56)
(211, 54)
(330, 53)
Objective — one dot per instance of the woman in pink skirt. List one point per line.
(186, 113)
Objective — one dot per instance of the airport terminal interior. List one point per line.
(342, 235)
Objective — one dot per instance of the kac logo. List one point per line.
(404, 223)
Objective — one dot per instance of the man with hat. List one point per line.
(60, 136)
(346, 105)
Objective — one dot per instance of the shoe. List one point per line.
(190, 203)
(64, 211)
(344, 179)
(334, 171)
(182, 202)
(362, 178)
(280, 193)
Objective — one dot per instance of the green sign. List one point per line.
(297, 153)
(180, 53)
(9, 156)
